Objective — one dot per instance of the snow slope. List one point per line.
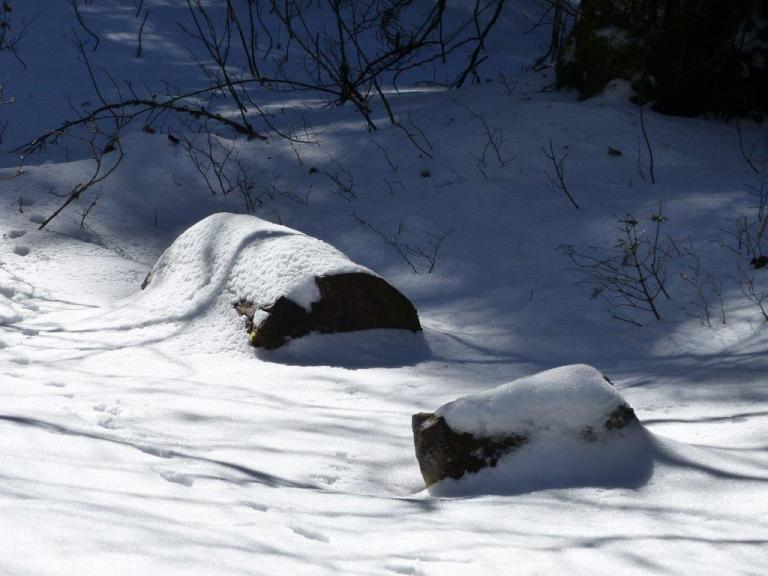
(166, 449)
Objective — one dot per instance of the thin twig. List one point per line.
(648, 145)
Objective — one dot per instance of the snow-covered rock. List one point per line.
(286, 283)
(549, 409)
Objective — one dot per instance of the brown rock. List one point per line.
(444, 453)
(348, 302)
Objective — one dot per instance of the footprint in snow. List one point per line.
(176, 478)
(156, 451)
(55, 384)
(16, 233)
(37, 218)
(256, 506)
(114, 411)
(404, 569)
(108, 422)
(328, 479)
(311, 534)
(21, 250)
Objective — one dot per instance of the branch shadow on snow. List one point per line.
(248, 474)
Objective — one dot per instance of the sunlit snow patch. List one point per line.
(234, 256)
(15, 298)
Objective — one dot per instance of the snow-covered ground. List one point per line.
(163, 447)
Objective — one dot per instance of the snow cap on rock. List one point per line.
(561, 400)
(243, 257)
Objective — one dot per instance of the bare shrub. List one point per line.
(633, 273)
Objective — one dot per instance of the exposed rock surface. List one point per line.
(444, 453)
(348, 302)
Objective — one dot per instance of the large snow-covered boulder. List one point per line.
(285, 283)
(562, 407)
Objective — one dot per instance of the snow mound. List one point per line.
(561, 400)
(579, 432)
(238, 257)
(223, 259)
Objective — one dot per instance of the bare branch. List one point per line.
(558, 165)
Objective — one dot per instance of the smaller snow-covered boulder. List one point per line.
(547, 409)
(285, 283)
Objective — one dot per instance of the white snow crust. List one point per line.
(236, 257)
(564, 399)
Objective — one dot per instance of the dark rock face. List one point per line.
(620, 417)
(444, 453)
(348, 302)
(686, 56)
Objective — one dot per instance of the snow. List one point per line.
(137, 447)
(557, 401)
(228, 258)
(220, 261)
(15, 296)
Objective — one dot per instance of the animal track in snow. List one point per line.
(155, 451)
(108, 422)
(114, 411)
(403, 569)
(21, 250)
(37, 218)
(256, 506)
(55, 384)
(329, 479)
(175, 477)
(311, 534)
(16, 233)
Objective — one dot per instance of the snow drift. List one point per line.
(285, 283)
